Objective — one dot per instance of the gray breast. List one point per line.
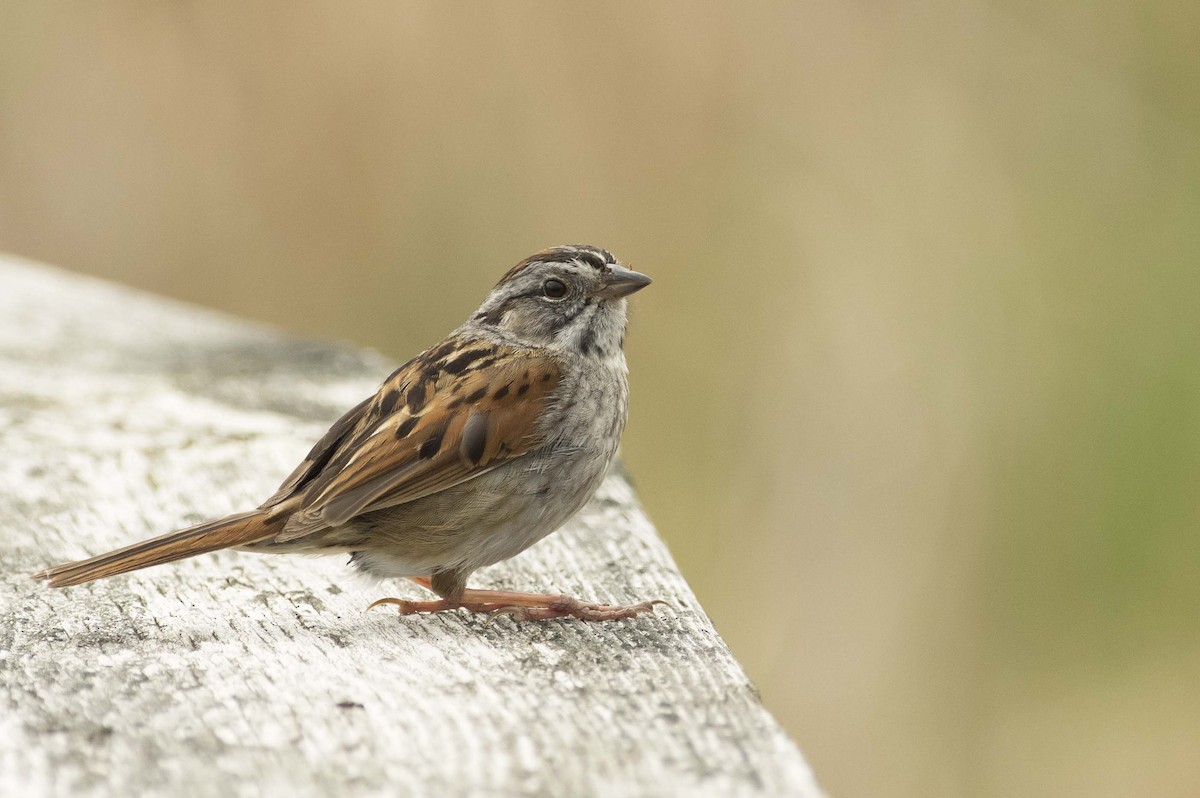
(501, 513)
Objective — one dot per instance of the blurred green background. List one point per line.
(915, 393)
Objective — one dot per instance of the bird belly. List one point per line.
(481, 522)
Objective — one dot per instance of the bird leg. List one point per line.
(521, 606)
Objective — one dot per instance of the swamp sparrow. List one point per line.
(468, 454)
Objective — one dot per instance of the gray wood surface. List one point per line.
(124, 415)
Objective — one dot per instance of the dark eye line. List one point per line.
(493, 316)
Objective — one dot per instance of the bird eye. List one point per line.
(554, 289)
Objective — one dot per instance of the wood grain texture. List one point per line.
(124, 415)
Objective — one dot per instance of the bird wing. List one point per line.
(445, 417)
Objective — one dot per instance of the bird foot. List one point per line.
(523, 606)
(566, 606)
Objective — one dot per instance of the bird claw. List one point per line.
(380, 602)
(406, 607)
(516, 613)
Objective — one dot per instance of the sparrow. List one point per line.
(467, 455)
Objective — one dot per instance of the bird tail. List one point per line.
(233, 530)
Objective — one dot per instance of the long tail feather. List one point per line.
(233, 530)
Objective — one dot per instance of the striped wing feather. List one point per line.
(431, 426)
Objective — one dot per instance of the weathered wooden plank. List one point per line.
(124, 415)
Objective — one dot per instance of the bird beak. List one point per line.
(619, 282)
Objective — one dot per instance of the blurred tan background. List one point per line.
(915, 390)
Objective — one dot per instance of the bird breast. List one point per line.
(504, 511)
